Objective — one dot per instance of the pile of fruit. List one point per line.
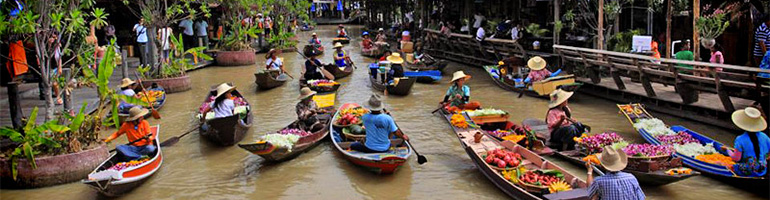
(678, 171)
(322, 83)
(502, 158)
(648, 150)
(541, 177)
(350, 116)
(485, 112)
(458, 121)
(632, 109)
(152, 96)
(717, 159)
(125, 165)
(594, 143)
(294, 131)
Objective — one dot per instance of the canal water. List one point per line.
(197, 169)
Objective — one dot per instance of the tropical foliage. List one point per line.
(714, 21)
(179, 60)
(535, 30)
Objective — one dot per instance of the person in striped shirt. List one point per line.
(762, 40)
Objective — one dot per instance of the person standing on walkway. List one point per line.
(761, 40)
(187, 33)
(481, 34)
(141, 41)
(516, 31)
(165, 43)
(201, 33)
(685, 54)
(615, 184)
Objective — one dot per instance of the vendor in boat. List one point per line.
(366, 42)
(509, 66)
(341, 57)
(136, 129)
(341, 33)
(615, 184)
(560, 123)
(273, 62)
(223, 104)
(385, 55)
(537, 71)
(381, 37)
(396, 68)
(127, 88)
(307, 110)
(313, 66)
(751, 147)
(458, 95)
(379, 127)
(314, 40)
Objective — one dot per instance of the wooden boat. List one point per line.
(275, 154)
(423, 66)
(538, 145)
(431, 76)
(303, 83)
(343, 40)
(157, 104)
(374, 52)
(227, 131)
(339, 73)
(317, 48)
(269, 79)
(402, 88)
(114, 183)
(380, 163)
(656, 177)
(540, 89)
(530, 160)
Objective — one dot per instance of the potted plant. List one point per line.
(236, 49)
(537, 33)
(714, 22)
(172, 75)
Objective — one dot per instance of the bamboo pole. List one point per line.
(668, 29)
(695, 39)
(556, 17)
(600, 41)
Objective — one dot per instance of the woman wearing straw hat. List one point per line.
(458, 95)
(307, 110)
(273, 62)
(751, 147)
(396, 68)
(340, 56)
(136, 129)
(615, 184)
(127, 88)
(560, 123)
(379, 126)
(537, 71)
(223, 104)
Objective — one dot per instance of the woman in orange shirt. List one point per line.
(137, 130)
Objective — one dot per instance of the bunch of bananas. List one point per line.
(152, 96)
(358, 112)
(559, 186)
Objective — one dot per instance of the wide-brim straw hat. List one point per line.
(395, 58)
(613, 159)
(223, 89)
(559, 96)
(305, 92)
(338, 45)
(136, 112)
(375, 103)
(458, 75)
(749, 119)
(381, 29)
(126, 82)
(536, 63)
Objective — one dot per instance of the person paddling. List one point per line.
(458, 95)
(340, 56)
(273, 62)
(537, 71)
(615, 184)
(136, 129)
(307, 110)
(753, 146)
(379, 126)
(313, 66)
(561, 125)
(223, 104)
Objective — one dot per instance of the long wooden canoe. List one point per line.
(380, 163)
(402, 88)
(530, 161)
(113, 183)
(430, 76)
(226, 131)
(339, 73)
(273, 153)
(269, 79)
(564, 82)
(158, 104)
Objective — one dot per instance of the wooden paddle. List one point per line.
(132, 142)
(154, 112)
(173, 140)
(327, 74)
(420, 158)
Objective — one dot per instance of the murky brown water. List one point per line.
(196, 169)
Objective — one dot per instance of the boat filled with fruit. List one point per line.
(517, 171)
(118, 175)
(495, 123)
(380, 163)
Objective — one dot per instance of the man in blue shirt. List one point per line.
(615, 185)
(188, 35)
(379, 126)
(141, 40)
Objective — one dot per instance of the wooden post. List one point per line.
(124, 63)
(556, 17)
(695, 39)
(668, 29)
(14, 104)
(67, 98)
(600, 41)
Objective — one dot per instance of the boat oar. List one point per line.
(154, 112)
(173, 140)
(420, 158)
(132, 142)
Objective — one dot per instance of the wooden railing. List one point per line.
(466, 49)
(724, 80)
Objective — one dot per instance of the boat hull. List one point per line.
(267, 80)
